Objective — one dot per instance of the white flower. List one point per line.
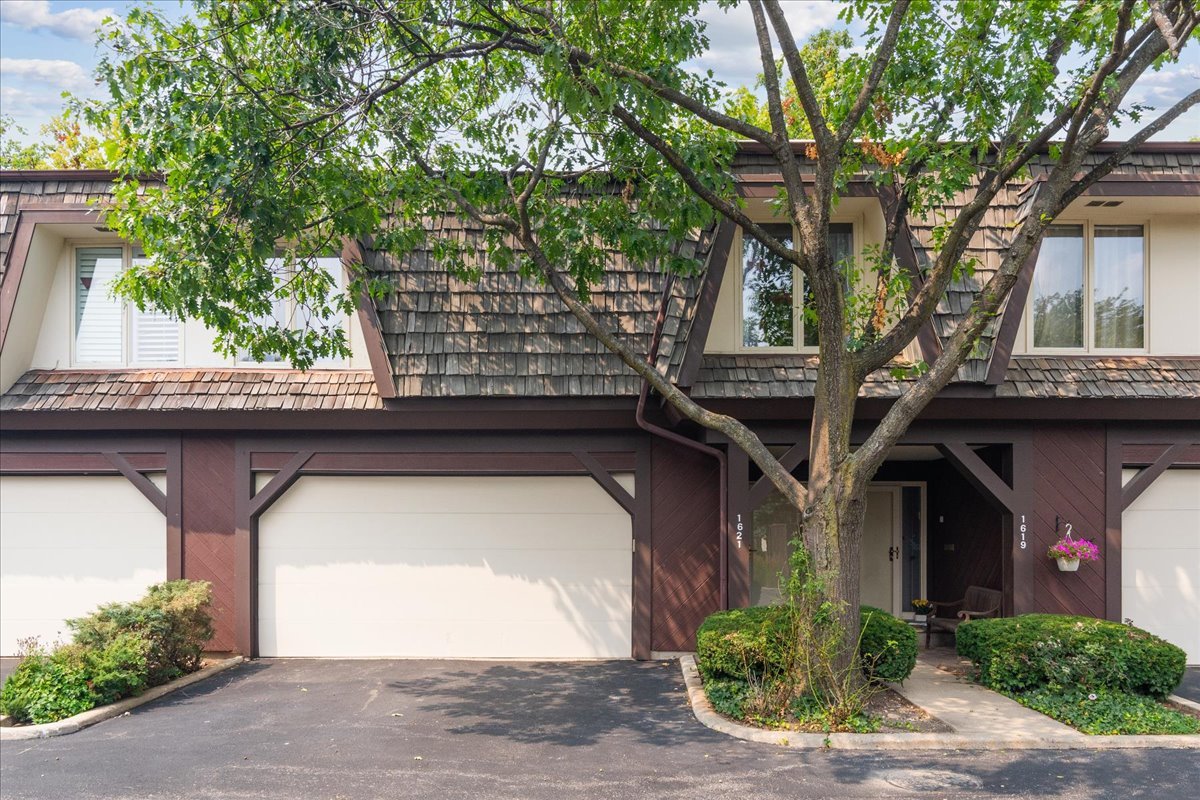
(1091, 696)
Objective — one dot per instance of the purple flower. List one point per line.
(1081, 549)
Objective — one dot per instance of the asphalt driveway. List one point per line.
(612, 730)
(1190, 688)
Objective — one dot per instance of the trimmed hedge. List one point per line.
(731, 643)
(1019, 654)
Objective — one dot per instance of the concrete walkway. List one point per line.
(975, 711)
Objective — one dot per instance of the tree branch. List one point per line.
(883, 57)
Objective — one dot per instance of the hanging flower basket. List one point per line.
(1069, 552)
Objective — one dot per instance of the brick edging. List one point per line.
(708, 717)
(92, 716)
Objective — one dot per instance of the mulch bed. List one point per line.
(900, 716)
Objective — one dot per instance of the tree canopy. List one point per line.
(570, 129)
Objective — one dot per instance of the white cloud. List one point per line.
(733, 46)
(55, 72)
(70, 23)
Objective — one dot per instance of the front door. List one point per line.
(892, 572)
(881, 538)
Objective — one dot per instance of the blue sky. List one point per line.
(48, 47)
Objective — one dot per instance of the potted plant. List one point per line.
(921, 608)
(1069, 552)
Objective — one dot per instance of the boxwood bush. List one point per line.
(118, 651)
(756, 641)
(1018, 654)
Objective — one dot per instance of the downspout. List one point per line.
(672, 436)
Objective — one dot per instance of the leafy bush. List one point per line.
(172, 619)
(1106, 712)
(757, 641)
(118, 651)
(1033, 651)
(46, 688)
(888, 646)
(728, 696)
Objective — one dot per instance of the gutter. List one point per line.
(672, 436)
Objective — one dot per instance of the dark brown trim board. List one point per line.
(23, 230)
(368, 320)
(718, 261)
(1010, 320)
(906, 257)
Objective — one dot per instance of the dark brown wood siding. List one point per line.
(1068, 465)
(208, 527)
(686, 556)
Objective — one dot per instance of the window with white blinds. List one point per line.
(99, 317)
(107, 329)
(154, 337)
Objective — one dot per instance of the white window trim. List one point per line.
(738, 253)
(1089, 305)
(127, 309)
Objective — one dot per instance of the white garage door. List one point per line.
(68, 544)
(1160, 559)
(492, 567)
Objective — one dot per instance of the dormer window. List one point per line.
(772, 309)
(1089, 289)
(287, 314)
(110, 331)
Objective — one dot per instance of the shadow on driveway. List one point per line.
(1190, 688)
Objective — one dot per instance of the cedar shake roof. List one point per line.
(1029, 377)
(192, 389)
(509, 336)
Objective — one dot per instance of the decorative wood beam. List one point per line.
(279, 484)
(1010, 321)
(607, 482)
(980, 475)
(140, 481)
(1141, 482)
(792, 458)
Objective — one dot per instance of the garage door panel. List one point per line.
(1163, 528)
(401, 531)
(540, 600)
(465, 639)
(54, 532)
(450, 581)
(1169, 567)
(488, 495)
(1160, 559)
(69, 544)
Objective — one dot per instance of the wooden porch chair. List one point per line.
(978, 603)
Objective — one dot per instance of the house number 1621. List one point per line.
(740, 531)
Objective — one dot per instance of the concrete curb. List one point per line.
(91, 717)
(1183, 701)
(708, 717)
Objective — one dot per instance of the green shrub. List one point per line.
(1106, 712)
(46, 688)
(1033, 651)
(172, 619)
(757, 641)
(119, 669)
(728, 696)
(888, 646)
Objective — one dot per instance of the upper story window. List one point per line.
(110, 331)
(286, 313)
(1089, 288)
(773, 312)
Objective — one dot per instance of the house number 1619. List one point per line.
(1024, 528)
